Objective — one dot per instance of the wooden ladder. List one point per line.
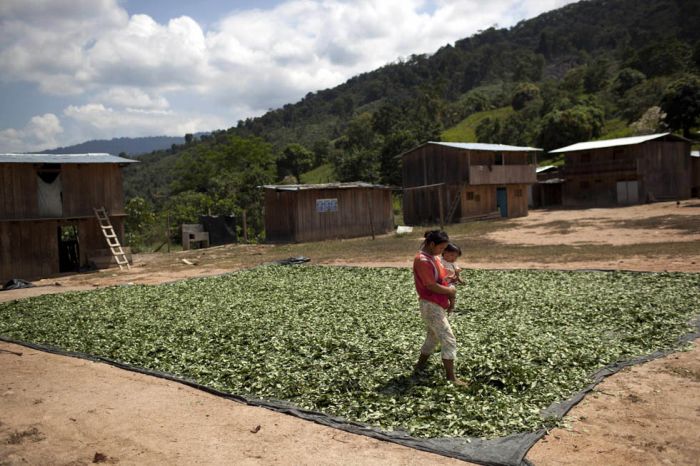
(111, 237)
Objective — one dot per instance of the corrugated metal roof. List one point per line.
(615, 142)
(544, 169)
(63, 158)
(302, 187)
(482, 146)
(695, 153)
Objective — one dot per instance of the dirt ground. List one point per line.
(61, 410)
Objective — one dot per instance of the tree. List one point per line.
(681, 102)
(564, 127)
(139, 222)
(523, 94)
(595, 77)
(626, 79)
(295, 160)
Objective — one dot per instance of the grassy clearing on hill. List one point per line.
(465, 130)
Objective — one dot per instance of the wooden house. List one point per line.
(695, 173)
(313, 212)
(547, 191)
(47, 222)
(629, 170)
(446, 182)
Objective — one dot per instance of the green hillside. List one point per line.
(589, 70)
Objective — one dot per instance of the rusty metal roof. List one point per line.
(64, 158)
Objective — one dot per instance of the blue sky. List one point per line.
(75, 70)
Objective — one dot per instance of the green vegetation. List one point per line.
(465, 130)
(321, 174)
(343, 340)
(585, 71)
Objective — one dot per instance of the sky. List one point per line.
(75, 70)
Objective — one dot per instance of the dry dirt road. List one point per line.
(61, 410)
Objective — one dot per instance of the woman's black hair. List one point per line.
(452, 247)
(436, 237)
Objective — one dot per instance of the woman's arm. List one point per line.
(441, 289)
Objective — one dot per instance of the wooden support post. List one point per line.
(442, 216)
(245, 226)
(369, 211)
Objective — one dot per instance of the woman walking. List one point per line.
(435, 298)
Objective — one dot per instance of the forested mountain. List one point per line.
(125, 146)
(577, 73)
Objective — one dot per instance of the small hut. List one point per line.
(629, 170)
(547, 191)
(449, 182)
(312, 212)
(47, 222)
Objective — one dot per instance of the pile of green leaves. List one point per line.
(343, 340)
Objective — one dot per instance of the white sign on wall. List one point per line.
(326, 205)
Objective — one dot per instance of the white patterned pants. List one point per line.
(439, 330)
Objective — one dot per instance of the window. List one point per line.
(499, 158)
(518, 192)
(470, 195)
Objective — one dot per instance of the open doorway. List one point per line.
(68, 249)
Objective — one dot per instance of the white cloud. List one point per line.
(39, 133)
(132, 69)
(97, 121)
(133, 97)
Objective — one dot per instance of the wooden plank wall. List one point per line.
(664, 167)
(18, 191)
(483, 202)
(601, 190)
(28, 250)
(88, 186)
(662, 173)
(431, 164)
(517, 200)
(292, 215)
(695, 175)
(359, 211)
(84, 187)
(280, 212)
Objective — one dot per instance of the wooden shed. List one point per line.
(548, 189)
(449, 182)
(624, 171)
(695, 173)
(47, 222)
(312, 212)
